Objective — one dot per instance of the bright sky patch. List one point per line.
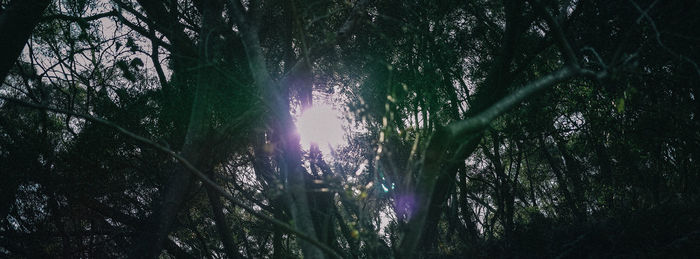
(321, 125)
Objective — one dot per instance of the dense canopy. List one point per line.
(168, 128)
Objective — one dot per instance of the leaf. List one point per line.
(121, 64)
(620, 105)
(136, 62)
(131, 45)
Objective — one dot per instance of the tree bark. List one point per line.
(282, 125)
(494, 88)
(222, 227)
(197, 147)
(16, 25)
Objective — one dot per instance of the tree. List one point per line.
(17, 22)
(167, 128)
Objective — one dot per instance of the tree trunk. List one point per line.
(197, 148)
(282, 124)
(494, 88)
(222, 226)
(16, 25)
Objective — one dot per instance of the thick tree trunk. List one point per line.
(197, 147)
(16, 25)
(154, 234)
(283, 127)
(562, 182)
(222, 227)
(438, 151)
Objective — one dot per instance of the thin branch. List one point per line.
(597, 56)
(237, 12)
(81, 20)
(144, 32)
(196, 172)
(319, 49)
(644, 14)
(558, 34)
(156, 61)
(464, 133)
(479, 122)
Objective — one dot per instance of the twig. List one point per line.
(463, 128)
(80, 20)
(644, 14)
(318, 49)
(196, 172)
(597, 56)
(559, 34)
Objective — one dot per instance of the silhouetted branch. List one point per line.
(196, 172)
(81, 20)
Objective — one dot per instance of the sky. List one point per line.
(321, 124)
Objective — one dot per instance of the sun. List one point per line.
(321, 125)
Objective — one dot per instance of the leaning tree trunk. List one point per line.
(16, 25)
(443, 141)
(198, 145)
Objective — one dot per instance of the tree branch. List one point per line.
(319, 49)
(460, 129)
(146, 33)
(80, 20)
(17, 23)
(196, 172)
(237, 12)
(442, 143)
(554, 26)
(644, 14)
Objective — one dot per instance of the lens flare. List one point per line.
(321, 125)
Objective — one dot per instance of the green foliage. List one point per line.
(593, 166)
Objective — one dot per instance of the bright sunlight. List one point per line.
(320, 125)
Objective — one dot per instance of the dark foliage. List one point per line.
(486, 129)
